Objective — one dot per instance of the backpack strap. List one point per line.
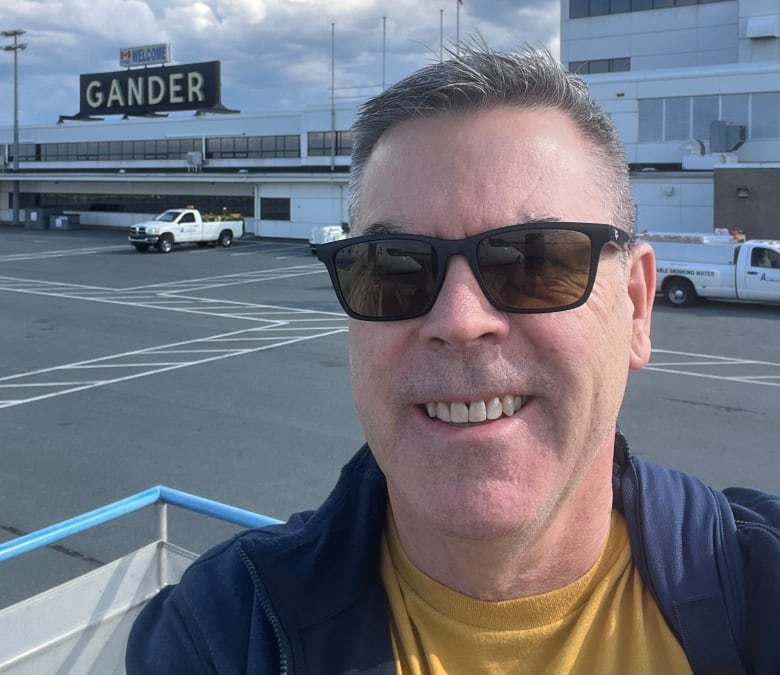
(684, 542)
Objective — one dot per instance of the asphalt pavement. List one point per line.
(224, 373)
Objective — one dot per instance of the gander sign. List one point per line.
(192, 86)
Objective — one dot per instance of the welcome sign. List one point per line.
(131, 57)
(193, 86)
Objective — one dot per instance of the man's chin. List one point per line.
(480, 513)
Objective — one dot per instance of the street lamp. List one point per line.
(15, 47)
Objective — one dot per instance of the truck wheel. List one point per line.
(141, 248)
(680, 293)
(225, 238)
(166, 243)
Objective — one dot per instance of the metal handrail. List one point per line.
(156, 495)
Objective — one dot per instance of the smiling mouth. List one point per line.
(459, 412)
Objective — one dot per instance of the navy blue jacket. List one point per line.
(307, 597)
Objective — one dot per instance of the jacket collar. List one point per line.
(348, 526)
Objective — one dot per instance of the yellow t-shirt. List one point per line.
(606, 622)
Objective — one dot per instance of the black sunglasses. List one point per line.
(524, 269)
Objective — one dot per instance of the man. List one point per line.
(497, 305)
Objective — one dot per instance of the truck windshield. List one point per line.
(168, 216)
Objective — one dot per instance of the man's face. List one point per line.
(453, 176)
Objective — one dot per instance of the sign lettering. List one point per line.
(685, 272)
(138, 92)
(146, 55)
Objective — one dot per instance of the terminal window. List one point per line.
(681, 118)
(579, 9)
(323, 143)
(274, 208)
(596, 66)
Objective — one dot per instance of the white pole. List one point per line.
(441, 34)
(384, 49)
(332, 96)
(15, 49)
(457, 27)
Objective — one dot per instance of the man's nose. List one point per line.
(462, 314)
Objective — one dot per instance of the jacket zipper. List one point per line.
(269, 613)
(761, 526)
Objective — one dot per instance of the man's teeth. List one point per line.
(476, 411)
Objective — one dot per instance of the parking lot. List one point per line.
(224, 372)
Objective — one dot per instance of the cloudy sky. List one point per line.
(275, 54)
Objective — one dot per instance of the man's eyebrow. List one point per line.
(386, 228)
(531, 220)
(382, 228)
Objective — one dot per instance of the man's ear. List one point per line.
(641, 292)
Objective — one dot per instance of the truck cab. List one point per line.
(761, 272)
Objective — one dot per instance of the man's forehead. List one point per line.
(488, 168)
(465, 119)
(481, 141)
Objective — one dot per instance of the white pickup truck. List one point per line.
(178, 226)
(689, 267)
(322, 234)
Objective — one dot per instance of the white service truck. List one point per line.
(188, 225)
(689, 267)
(322, 234)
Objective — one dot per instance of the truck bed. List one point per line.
(714, 254)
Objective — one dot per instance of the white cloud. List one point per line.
(274, 53)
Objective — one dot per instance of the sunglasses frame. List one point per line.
(600, 234)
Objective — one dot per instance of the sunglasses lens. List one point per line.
(388, 278)
(531, 269)
(520, 268)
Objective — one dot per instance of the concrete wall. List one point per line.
(678, 37)
(748, 199)
(673, 202)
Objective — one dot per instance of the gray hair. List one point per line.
(478, 78)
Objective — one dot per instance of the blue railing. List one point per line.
(160, 495)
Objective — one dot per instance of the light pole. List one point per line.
(15, 47)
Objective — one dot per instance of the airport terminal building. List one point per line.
(285, 172)
(694, 89)
(152, 138)
(693, 86)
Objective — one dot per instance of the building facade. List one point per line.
(285, 172)
(692, 85)
(694, 89)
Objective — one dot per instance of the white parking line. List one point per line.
(765, 373)
(176, 296)
(19, 385)
(16, 257)
(278, 326)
